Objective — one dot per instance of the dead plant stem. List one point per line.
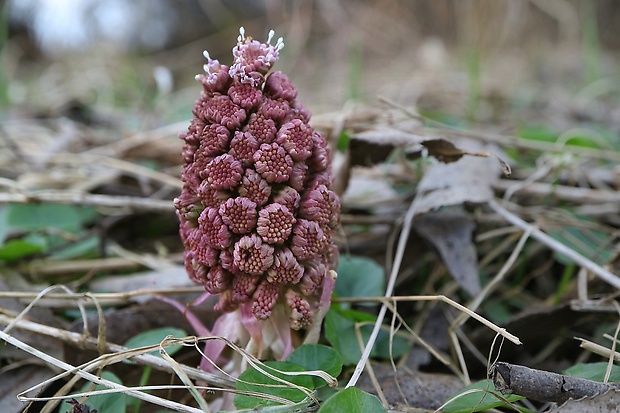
(557, 246)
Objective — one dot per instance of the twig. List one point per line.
(563, 192)
(543, 385)
(93, 378)
(79, 198)
(81, 341)
(400, 252)
(557, 246)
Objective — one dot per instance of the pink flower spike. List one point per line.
(262, 128)
(223, 172)
(211, 197)
(220, 109)
(308, 239)
(213, 140)
(216, 76)
(216, 232)
(255, 187)
(252, 56)
(244, 95)
(299, 172)
(313, 277)
(319, 205)
(239, 214)
(285, 268)
(275, 223)
(320, 153)
(301, 314)
(252, 256)
(243, 287)
(265, 298)
(273, 163)
(278, 85)
(288, 197)
(218, 280)
(243, 146)
(296, 137)
(276, 109)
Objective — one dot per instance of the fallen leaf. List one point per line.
(467, 179)
(14, 381)
(450, 232)
(603, 403)
(446, 151)
(405, 389)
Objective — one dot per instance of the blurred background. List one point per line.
(472, 58)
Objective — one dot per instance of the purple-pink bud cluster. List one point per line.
(257, 213)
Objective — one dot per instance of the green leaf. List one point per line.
(538, 133)
(82, 248)
(20, 248)
(340, 332)
(350, 400)
(317, 357)
(39, 216)
(586, 241)
(483, 397)
(4, 223)
(255, 381)
(594, 371)
(360, 277)
(155, 336)
(114, 402)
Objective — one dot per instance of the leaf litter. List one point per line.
(461, 238)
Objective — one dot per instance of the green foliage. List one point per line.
(352, 399)
(254, 381)
(360, 277)
(39, 228)
(341, 334)
(305, 358)
(113, 402)
(589, 242)
(317, 357)
(594, 371)
(478, 397)
(155, 336)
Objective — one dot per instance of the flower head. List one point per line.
(256, 211)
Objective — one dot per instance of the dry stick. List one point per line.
(89, 342)
(563, 192)
(80, 198)
(400, 252)
(545, 386)
(557, 246)
(119, 164)
(507, 140)
(93, 378)
(441, 298)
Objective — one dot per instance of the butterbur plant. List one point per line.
(257, 212)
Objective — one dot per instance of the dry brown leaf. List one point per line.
(601, 403)
(14, 381)
(468, 179)
(406, 390)
(446, 151)
(450, 232)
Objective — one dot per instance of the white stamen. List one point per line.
(241, 34)
(197, 77)
(206, 68)
(206, 55)
(271, 34)
(280, 44)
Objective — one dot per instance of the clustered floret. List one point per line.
(257, 211)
